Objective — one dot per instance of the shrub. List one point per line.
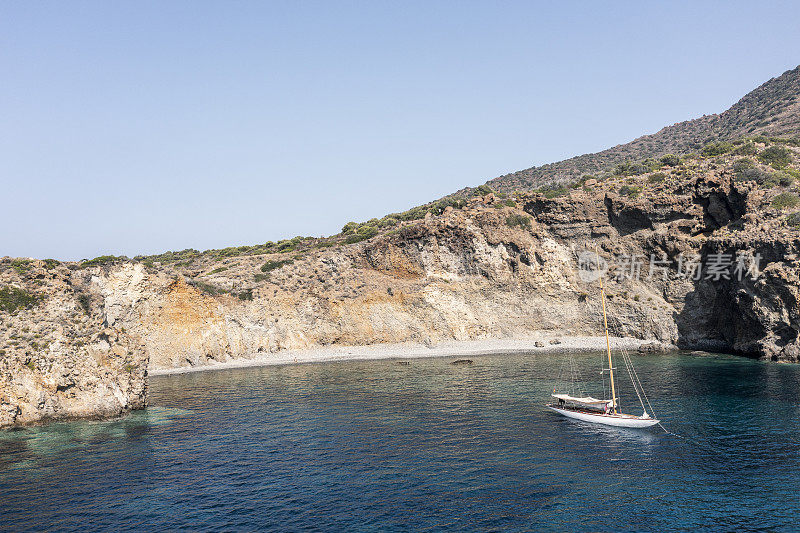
(510, 203)
(367, 229)
(785, 179)
(656, 177)
(437, 208)
(630, 191)
(21, 265)
(552, 190)
(258, 278)
(101, 260)
(793, 219)
(269, 266)
(785, 200)
(50, 264)
(364, 233)
(577, 184)
(713, 149)
(746, 149)
(349, 227)
(791, 141)
(218, 270)
(246, 295)
(388, 222)
(482, 190)
(518, 221)
(746, 170)
(415, 213)
(13, 299)
(207, 288)
(629, 168)
(776, 156)
(670, 160)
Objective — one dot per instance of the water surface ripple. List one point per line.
(366, 446)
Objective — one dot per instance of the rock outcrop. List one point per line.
(60, 357)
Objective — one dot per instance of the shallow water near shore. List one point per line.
(429, 446)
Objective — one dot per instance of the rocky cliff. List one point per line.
(60, 356)
(77, 339)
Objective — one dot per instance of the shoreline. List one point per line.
(412, 350)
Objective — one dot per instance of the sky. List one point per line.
(133, 128)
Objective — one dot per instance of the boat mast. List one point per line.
(608, 344)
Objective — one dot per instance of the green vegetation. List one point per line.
(630, 168)
(21, 265)
(129, 368)
(50, 264)
(785, 200)
(246, 295)
(656, 177)
(670, 160)
(218, 270)
(269, 266)
(258, 278)
(785, 179)
(746, 149)
(437, 208)
(388, 222)
(482, 190)
(101, 260)
(510, 203)
(714, 149)
(85, 302)
(207, 288)
(746, 170)
(630, 191)
(13, 299)
(31, 364)
(363, 233)
(552, 190)
(793, 220)
(777, 157)
(520, 221)
(288, 245)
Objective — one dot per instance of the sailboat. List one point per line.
(605, 411)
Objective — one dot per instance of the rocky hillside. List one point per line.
(771, 109)
(77, 339)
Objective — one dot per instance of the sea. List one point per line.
(425, 446)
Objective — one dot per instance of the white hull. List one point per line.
(624, 421)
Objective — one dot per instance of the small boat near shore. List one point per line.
(591, 409)
(604, 411)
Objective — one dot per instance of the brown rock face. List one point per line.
(710, 215)
(60, 358)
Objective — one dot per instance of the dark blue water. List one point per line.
(375, 446)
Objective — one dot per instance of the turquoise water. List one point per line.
(376, 446)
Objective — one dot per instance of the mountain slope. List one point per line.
(771, 109)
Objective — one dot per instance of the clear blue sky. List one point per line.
(140, 127)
